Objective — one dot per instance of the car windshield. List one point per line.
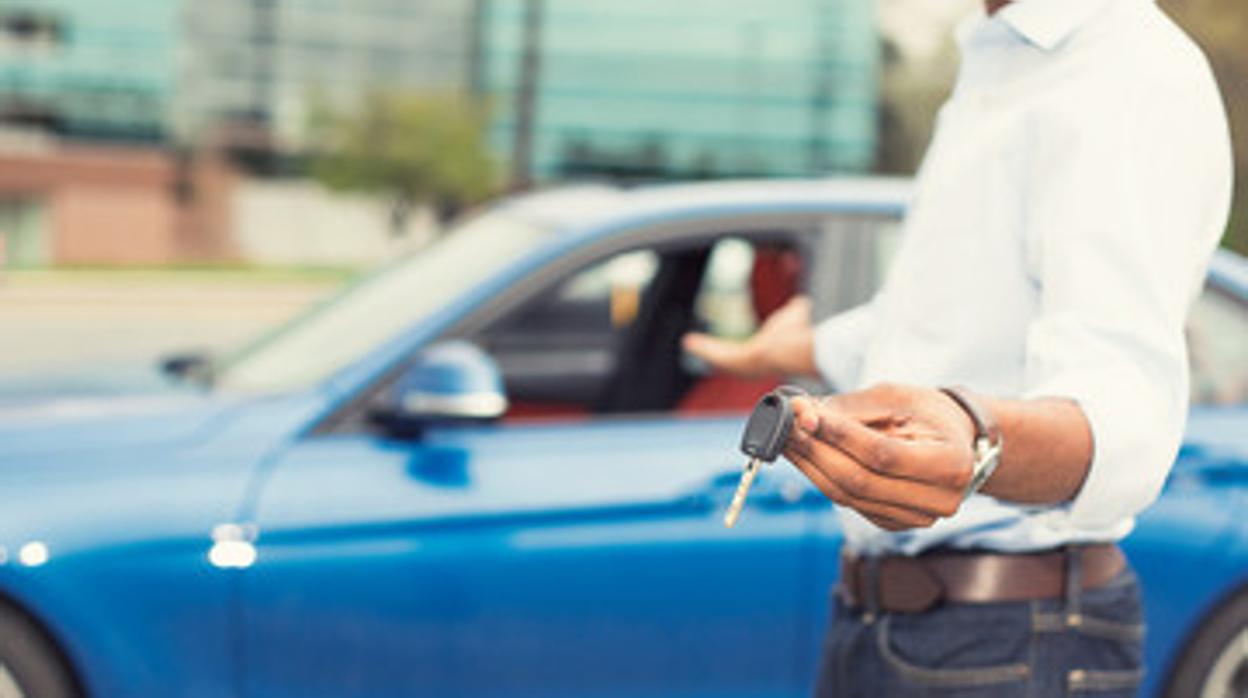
(379, 307)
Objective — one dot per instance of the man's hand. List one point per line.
(783, 345)
(901, 456)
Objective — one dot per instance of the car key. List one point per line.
(766, 432)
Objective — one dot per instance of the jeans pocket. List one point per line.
(1107, 658)
(1099, 646)
(955, 652)
(1113, 611)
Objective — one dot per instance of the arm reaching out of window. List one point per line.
(783, 345)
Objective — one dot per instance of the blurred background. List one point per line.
(178, 175)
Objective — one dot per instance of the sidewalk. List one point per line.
(55, 320)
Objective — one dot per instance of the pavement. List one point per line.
(74, 322)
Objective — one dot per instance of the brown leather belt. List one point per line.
(914, 584)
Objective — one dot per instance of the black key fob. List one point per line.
(769, 424)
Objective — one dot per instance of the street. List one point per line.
(51, 323)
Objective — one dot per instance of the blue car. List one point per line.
(488, 470)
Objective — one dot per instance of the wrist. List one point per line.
(964, 418)
(986, 438)
(792, 358)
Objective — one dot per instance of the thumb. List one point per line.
(725, 355)
(805, 415)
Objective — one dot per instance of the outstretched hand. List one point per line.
(899, 455)
(783, 345)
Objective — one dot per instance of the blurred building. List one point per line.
(101, 69)
(257, 68)
(114, 113)
(86, 93)
(77, 203)
(698, 88)
(152, 69)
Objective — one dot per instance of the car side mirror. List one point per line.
(186, 364)
(449, 382)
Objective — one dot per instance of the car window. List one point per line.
(853, 254)
(615, 285)
(724, 307)
(607, 338)
(745, 282)
(558, 352)
(1217, 336)
(378, 308)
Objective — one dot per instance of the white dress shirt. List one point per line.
(1077, 184)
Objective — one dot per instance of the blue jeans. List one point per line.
(1089, 645)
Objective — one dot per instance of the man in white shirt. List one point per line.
(1074, 191)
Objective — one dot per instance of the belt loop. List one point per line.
(1074, 585)
(871, 593)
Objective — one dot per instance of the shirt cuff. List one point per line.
(1132, 448)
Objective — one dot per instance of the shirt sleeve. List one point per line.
(840, 345)
(1128, 197)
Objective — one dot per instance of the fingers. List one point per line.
(926, 461)
(796, 309)
(805, 416)
(733, 357)
(884, 397)
(783, 344)
(864, 407)
(865, 485)
(887, 516)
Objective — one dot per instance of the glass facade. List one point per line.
(152, 69)
(698, 88)
(265, 61)
(100, 68)
(634, 89)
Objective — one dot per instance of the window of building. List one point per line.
(30, 29)
(23, 239)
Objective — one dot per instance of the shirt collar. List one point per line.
(1046, 23)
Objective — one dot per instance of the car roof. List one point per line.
(586, 207)
(582, 207)
(1230, 271)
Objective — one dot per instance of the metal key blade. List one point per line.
(738, 497)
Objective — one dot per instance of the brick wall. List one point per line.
(115, 206)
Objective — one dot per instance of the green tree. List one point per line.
(416, 148)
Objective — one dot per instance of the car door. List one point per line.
(849, 256)
(572, 551)
(1180, 544)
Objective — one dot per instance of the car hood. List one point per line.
(80, 473)
(65, 424)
